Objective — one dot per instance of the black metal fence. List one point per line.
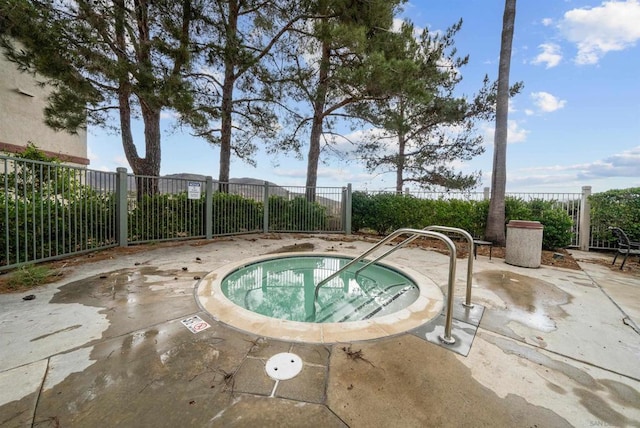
(50, 211)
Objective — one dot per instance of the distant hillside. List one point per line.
(247, 187)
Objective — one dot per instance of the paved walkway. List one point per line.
(105, 346)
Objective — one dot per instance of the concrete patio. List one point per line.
(105, 346)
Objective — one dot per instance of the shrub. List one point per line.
(163, 216)
(516, 209)
(235, 213)
(557, 223)
(620, 208)
(296, 214)
(49, 212)
(361, 208)
(386, 212)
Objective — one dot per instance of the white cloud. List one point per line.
(169, 115)
(546, 102)
(625, 164)
(348, 142)
(91, 155)
(612, 26)
(550, 55)
(620, 165)
(547, 21)
(515, 134)
(397, 25)
(121, 161)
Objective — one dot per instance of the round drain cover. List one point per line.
(284, 366)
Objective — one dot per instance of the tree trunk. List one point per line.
(227, 97)
(225, 135)
(316, 126)
(495, 230)
(150, 165)
(402, 142)
(148, 168)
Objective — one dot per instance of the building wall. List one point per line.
(22, 103)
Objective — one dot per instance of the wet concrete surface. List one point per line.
(530, 302)
(105, 347)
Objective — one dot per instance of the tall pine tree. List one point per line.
(108, 56)
(421, 125)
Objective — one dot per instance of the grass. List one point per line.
(28, 276)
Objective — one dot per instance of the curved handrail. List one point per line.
(462, 232)
(467, 303)
(446, 338)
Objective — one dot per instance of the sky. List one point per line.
(575, 123)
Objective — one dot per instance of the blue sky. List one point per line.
(575, 123)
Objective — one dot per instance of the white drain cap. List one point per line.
(284, 366)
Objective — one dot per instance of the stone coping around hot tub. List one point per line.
(210, 297)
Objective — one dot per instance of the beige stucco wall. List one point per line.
(22, 104)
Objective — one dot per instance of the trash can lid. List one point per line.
(525, 224)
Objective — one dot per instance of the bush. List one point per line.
(297, 214)
(620, 208)
(235, 213)
(49, 212)
(361, 207)
(557, 223)
(165, 216)
(386, 212)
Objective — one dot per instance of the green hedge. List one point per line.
(174, 216)
(620, 208)
(45, 224)
(385, 212)
(235, 214)
(296, 214)
(165, 216)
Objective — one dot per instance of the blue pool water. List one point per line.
(283, 288)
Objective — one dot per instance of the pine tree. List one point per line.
(105, 57)
(331, 63)
(420, 125)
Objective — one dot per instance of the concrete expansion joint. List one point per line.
(626, 319)
(40, 389)
(629, 322)
(560, 354)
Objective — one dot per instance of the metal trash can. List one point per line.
(524, 243)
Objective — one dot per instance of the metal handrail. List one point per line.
(462, 232)
(446, 338)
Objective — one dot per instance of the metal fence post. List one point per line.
(487, 193)
(585, 219)
(265, 210)
(121, 206)
(208, 207)
(347, 220)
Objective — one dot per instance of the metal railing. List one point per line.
(446, 338)
(49, 210)
(467, 303)
(571, 203)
